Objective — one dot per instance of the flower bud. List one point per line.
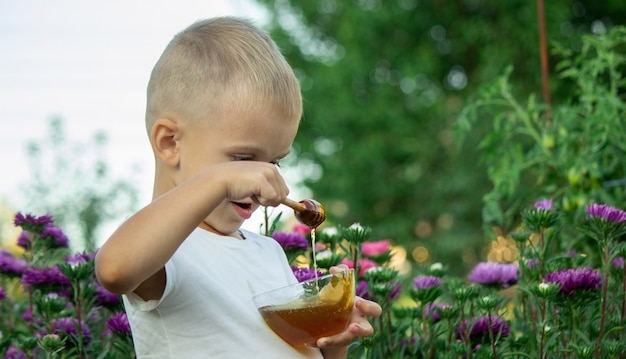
(356, 234)
(51, 343)
(437, 270)
(545, 290)
(489, 302)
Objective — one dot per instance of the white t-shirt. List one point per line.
(206, 310)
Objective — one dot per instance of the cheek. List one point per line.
(199, 159)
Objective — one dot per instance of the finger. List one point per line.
(361, 329)
(338, 268)
(338, 340)
(368, 308)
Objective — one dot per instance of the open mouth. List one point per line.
(243, 205)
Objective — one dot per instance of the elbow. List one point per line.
(112, 276)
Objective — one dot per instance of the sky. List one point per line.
(88, 63)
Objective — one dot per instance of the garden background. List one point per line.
(427, 121)
(384, 85)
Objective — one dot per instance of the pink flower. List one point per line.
(371, 249)
(302, 229)
(364, 263)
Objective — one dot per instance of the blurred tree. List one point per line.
(72, 182)
(384, 82)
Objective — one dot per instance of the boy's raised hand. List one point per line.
(260, 181)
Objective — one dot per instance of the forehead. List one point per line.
(261, 128)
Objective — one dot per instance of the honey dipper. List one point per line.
(308, 211)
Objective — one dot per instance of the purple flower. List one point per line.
(42, 227)
(575, 279)
(361, 290)
(426, 281)
(44, 276)
(607, 213)
(572, 253)
(430, 311)
(408, 342)
(545, 204)
(540, 216)
(55, 235)
(14, 353)
(2, 295)
(68, 326)
(30, 221)
(480, 327)
(118, 323)
(27, 316)
(291, 241)
(495, 274)
(395, 291)
(532, 263)
(303, 274)
(106, 298)
(393, 288)
(23, 240)
(11, 265)
(618, 262)
(79, 258)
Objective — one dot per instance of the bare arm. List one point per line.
(133, 258)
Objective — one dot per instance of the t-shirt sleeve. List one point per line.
(146, 305)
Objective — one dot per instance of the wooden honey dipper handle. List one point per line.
(296, 206)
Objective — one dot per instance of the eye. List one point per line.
(242, 158)
(251, 158)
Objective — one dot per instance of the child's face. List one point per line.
(241, 134)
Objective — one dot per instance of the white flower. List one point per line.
(331, 231)
(436, 266)
(324, 254)
(356, 226)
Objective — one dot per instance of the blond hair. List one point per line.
(219, 62)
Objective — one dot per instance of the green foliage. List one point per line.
(383, 83)
(573, 151)
(72, 182)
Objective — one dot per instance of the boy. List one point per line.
(223, 108)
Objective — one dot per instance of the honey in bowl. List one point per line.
(304, 312)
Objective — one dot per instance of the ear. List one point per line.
(164, 138)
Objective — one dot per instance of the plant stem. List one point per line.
(542, 250)
(623, 312)
(543, 51)
(491, 337)
(381, 327)
(355, 259)
(266, 219)
(79, 317)
(465, 334)
(542, 337)
(605, 287)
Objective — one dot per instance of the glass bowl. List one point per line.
(304, 312)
